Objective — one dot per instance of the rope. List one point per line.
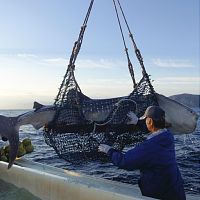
(74, 54)
(78, 43)
(130, 66)
(69, 75)
(137, 51)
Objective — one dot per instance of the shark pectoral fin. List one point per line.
(37, 105)
(37, 126)
(13, 147)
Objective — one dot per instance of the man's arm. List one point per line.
(135, 158)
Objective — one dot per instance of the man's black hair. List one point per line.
(159, 123)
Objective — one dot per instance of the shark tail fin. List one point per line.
(14, 144)
(9, 131)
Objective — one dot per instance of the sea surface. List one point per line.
(187, 153)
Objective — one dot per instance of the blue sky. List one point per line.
(37, 36)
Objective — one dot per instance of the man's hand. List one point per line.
(104, 148)
(133, 119)
(4, 139)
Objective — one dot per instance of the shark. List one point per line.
(10, 133)
(9, 126)
(180, 119)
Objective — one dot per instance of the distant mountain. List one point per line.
(190, 100)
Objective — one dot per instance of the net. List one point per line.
(83, 123)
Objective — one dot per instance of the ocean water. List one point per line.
(187, 153)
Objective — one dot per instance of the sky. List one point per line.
(37, 36)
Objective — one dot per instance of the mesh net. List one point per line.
(81, 123)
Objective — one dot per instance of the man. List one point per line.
(155, 158)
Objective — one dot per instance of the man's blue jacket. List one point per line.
(155, 158)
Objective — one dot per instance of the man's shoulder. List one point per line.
(165, 134)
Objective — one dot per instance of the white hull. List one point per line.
(50, 183)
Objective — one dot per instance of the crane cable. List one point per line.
(137, 51)
(130, 66)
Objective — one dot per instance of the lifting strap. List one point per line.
(69, 75)
(137, 51)
(130, 66)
